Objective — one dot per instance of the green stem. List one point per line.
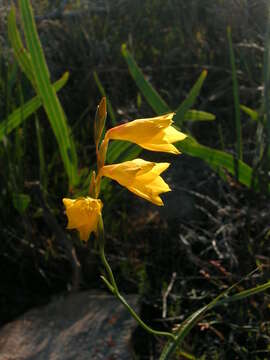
(114, 288)
(236, 98)
(109, 270)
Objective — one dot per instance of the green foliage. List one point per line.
(33, 63)
(21, 202)
(153, 98)
(239, 150)
(218, 160)
(125, 151)
(182, 113)
(143, 282)
(193, 319)
(251, 113)
(16, 118)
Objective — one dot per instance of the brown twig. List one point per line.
(166, 294)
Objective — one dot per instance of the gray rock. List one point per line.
(80, 326)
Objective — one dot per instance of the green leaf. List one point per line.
(179, 117)
(47, 93)
(193, 319)
(21, 202)
(266, 80)
(16, 118)
(151, 95)
(42, 162)
(254, 115)
(117, 149)
(238, 126)
(217, 159)
(21, 54)
(133, 152)
(245, 293)
(186, 327)
(196, 115)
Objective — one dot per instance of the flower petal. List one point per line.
(155, 134)
(172, 135)
(83, 215)
(144, 178)
(155, 199)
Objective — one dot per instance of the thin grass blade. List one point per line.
(186, 327)
(16, 118)
(193, 319)
(196, 115)
(48, 95)
(42, 162)
(217, 159)
(245, 294)
(21, 54)
(186, 105)
(118, 149)
(238, 126)
(151, 95)
(266, 75)
(254, 115)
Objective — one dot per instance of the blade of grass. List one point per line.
(122, 151)
(21, 138)
(47, 93)
(103, 93)
(42, 162)
(217, 159)
(245, 294)
(151, 95)
(254, 115)
(155, 100)
(186, 327)
(266, 75)
(239, 149)
(133, 152)
(179, 117)
(196, 115)
(193, 319)
(117, 149)
(21, 54)
(8, 174)
(20, 114)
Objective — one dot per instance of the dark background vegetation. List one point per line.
(226, 233)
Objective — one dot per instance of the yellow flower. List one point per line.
(83, 214)
(139, 176)
(154, 134)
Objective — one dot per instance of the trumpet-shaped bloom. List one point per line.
(83, 214)
(154, 134)
(141, 177)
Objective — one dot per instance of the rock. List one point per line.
(79, 326)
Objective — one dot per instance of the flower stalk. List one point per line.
(112, 286)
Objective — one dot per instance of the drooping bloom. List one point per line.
(156, 134)
(83, 214)
(140, 177)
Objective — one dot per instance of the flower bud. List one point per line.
(100, 119)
